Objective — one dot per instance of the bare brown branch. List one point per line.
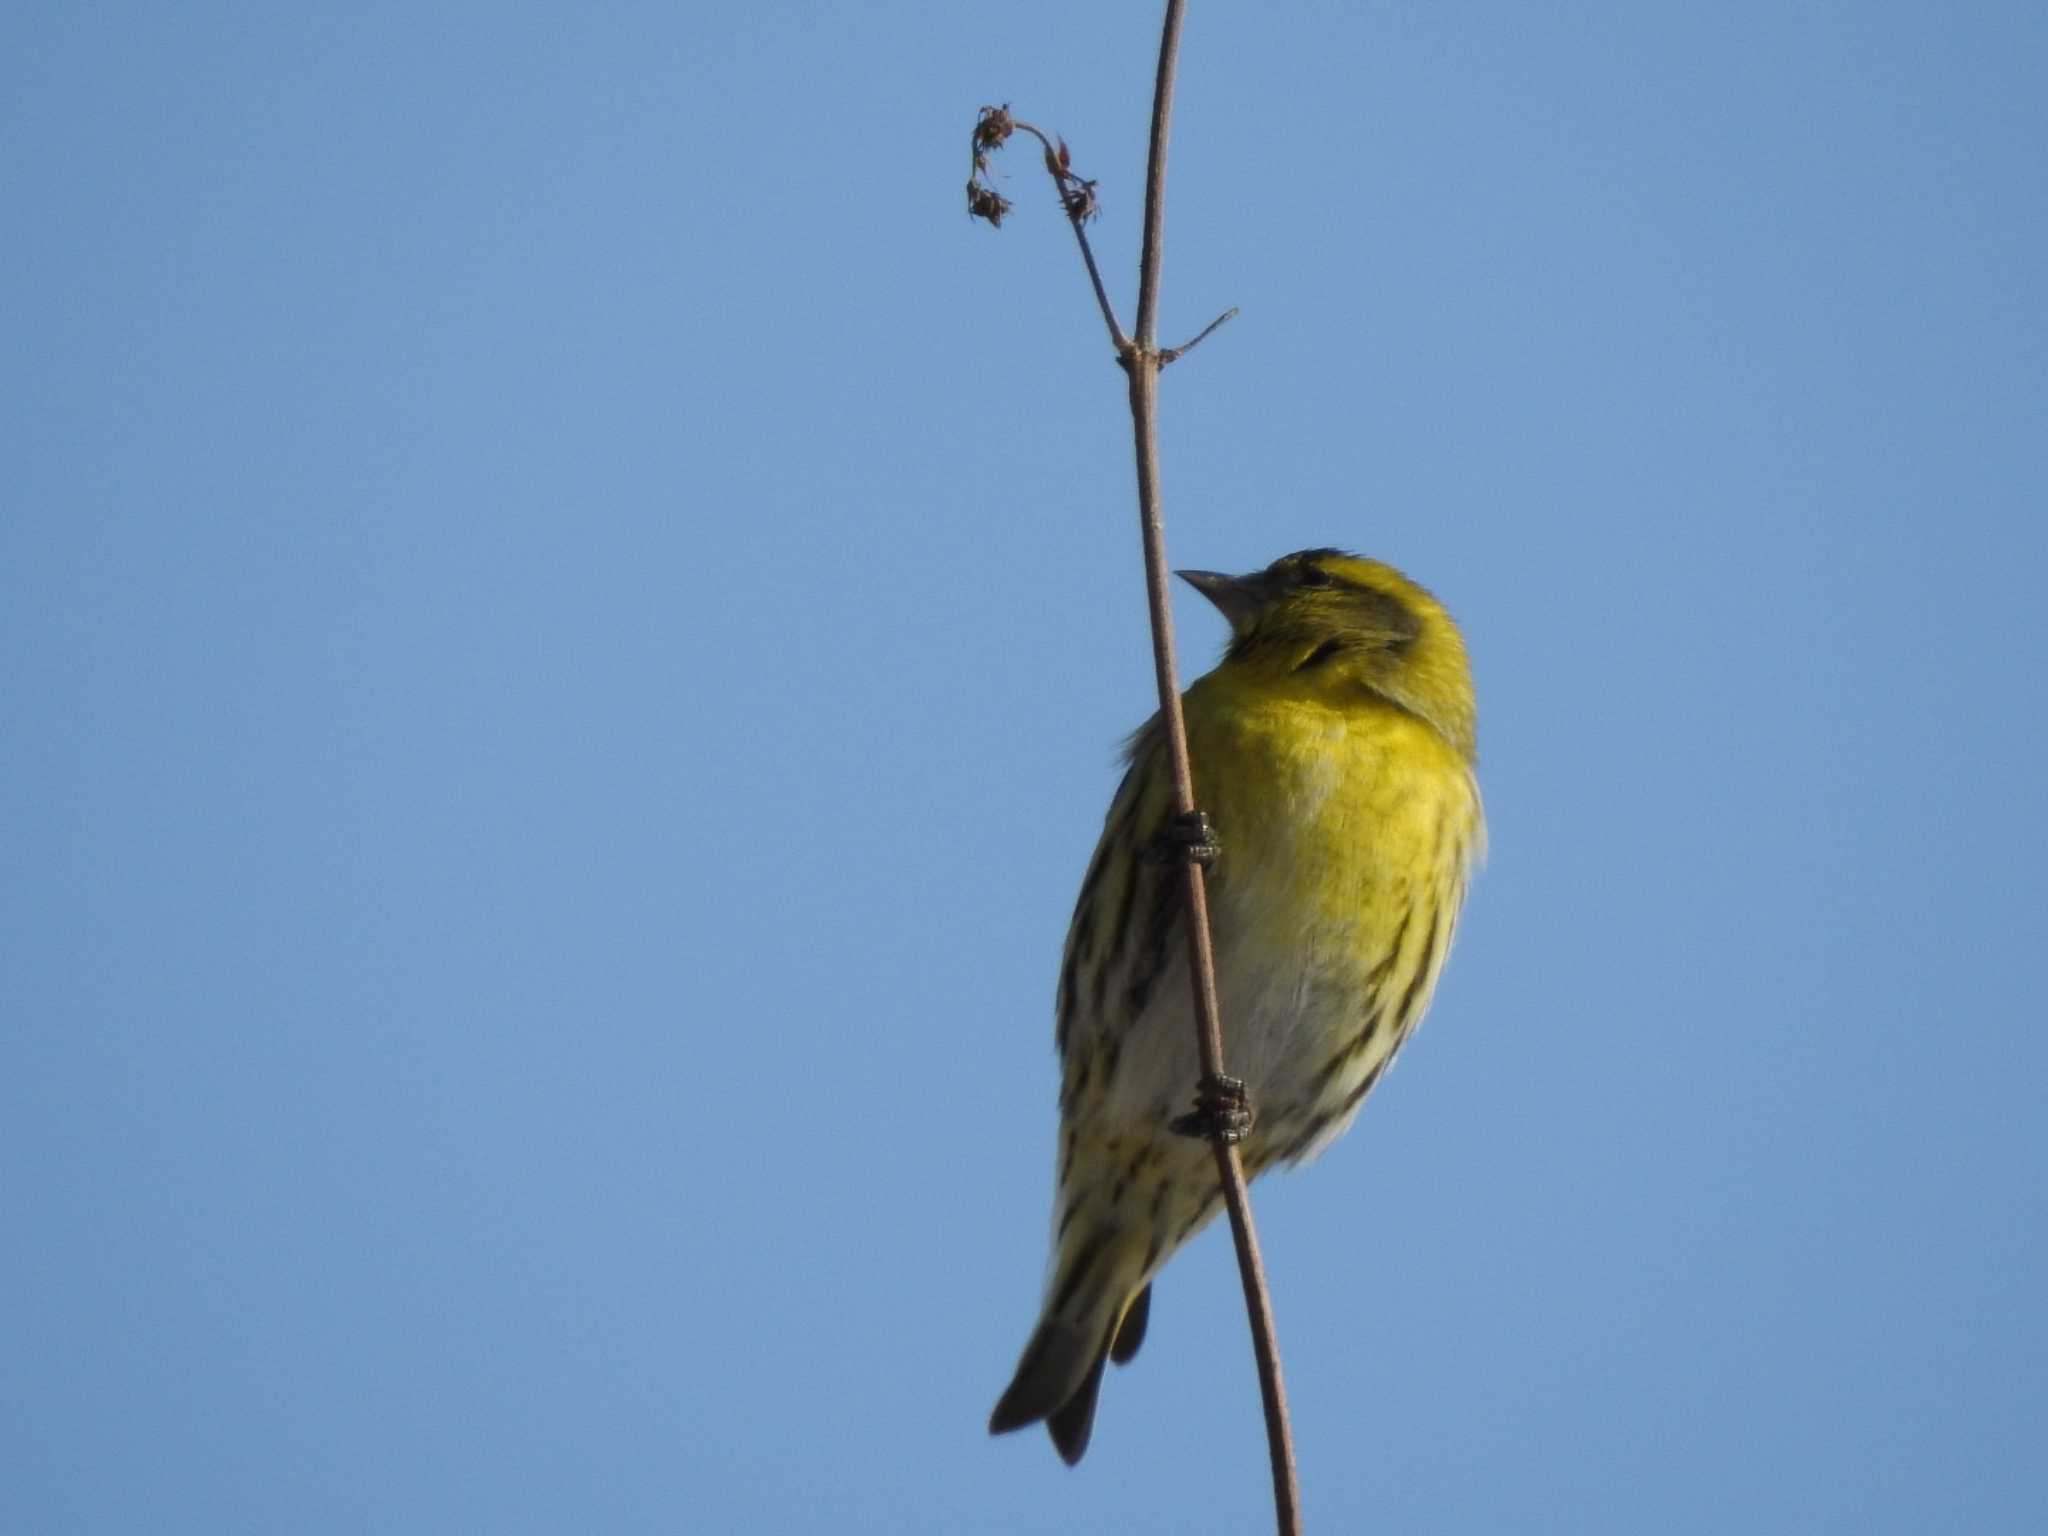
(1142, 361)
(1143, 365)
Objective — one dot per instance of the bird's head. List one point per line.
(1333, 624)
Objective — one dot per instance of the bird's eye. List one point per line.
(1314, 576)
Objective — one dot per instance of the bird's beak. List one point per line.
(1237, 598)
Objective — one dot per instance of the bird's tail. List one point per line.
(1095, 1312)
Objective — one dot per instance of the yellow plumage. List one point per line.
(1332, 750)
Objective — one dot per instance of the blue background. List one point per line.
(564, 622)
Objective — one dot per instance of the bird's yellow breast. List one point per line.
(1331, 813)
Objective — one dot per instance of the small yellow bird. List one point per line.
(1333, 751)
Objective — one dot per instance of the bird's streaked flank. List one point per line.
(1333, 751)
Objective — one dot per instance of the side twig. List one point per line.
(1142, 360)
(1175, 354)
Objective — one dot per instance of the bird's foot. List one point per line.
(1187, 838)
(1222, 1112)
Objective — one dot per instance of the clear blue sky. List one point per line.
(564, 622)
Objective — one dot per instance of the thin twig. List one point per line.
(1154, 251)
(1077, 200)
(992, 130)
